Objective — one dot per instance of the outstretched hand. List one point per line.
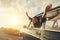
(26, 13)
(28, 16)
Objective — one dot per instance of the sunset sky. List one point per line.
(12, 12)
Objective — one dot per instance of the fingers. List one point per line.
(26, 13)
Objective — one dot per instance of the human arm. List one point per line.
(28, 16)
(44, 14)
(53, 16)
(48, 7)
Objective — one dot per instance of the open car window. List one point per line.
(49, 24)
(58, 23)
(53, 25)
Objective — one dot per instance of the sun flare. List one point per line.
(14, 20)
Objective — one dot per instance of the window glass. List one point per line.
(55, 25)
(58, 23)
(49, 24)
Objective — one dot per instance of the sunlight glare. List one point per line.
(14, 20)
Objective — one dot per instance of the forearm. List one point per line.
(44, 15)
(29, 17)
(53, 16)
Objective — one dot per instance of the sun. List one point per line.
(14, 20)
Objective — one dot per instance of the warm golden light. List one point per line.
(11, 16)
(14, 20)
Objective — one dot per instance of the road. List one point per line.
(6, 36)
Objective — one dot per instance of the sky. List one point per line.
(13, 12)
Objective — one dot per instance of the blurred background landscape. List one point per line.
(13, 15)
(9, 34)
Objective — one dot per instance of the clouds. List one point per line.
(8, 3)
(28, 4)
(56, 3)
(33, 3)
(53, 2)
(19, 7)
(33, 7)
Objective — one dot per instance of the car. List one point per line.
(52, 27)
(51, 31)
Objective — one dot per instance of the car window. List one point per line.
(55, 25)
(49, 24)
(58, 23)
